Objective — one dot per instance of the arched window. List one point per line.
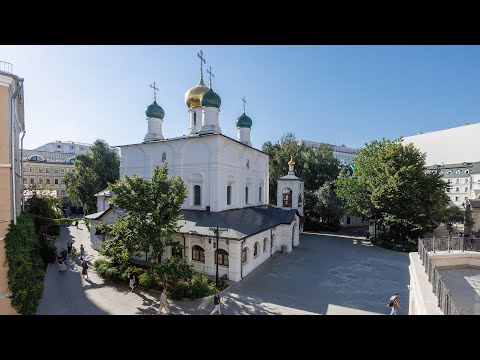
(300, 200)
(164, 157)
(467, 171)
(229, 195)
(244, 255)
(198, 254)
(36, 158)
(265, 244)
(255, 249)
(246, 195)
(222, 257)
(287, 197)
(194, 118)
(260, 194)
(196, 195)
(177, 252)
(457, 172)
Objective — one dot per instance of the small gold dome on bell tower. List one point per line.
(291, 162)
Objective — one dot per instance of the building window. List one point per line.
(456, 198)
(164, 157)
(176, 252)
(48, 181)
(72, 147)
(55, 170)
(24, 180)
(62, 181)
(457, 172)
(449, 181)
(255, 249)
(63, 192)
(229, 195)
(457, 189)
(466, 188)
(194, 118)
(260, 194)
(246, 195)
(198, 254)
(196, 195)
(449, 172)
(56, 181)
(24, 169)
(467, 171)
(47, 170)
(287, 197)
(62, 171)
(244, 255)
(348, 220)
(265, 244)
(222, 257)
(81, 147)
(32, 170)
(32, 181)
(58, 146)
(40, 181)
(441, 172)
(40, 170)
(458, 181)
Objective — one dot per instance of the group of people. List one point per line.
(62, 258)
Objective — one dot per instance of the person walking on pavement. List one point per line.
(132, 281)
(84, 269)
(64, 254)
(217, 302)
(69, 246)
(163, 309)
(394, 304)
(82, 252)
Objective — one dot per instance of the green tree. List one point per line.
(152, 210)
(45, 208)
(92, 173)
(323, 207)
(391, 186)
(452, 215)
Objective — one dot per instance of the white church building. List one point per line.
(227, 182)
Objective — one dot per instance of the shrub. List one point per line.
(25, 274)
(179, 290)
(131, 269)
(48, 251)
(148, 280)
(201, 286)
(174, 270)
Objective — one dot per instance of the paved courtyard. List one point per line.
(325, 274)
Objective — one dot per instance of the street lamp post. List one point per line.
(216, 231)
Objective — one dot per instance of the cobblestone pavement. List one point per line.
(325, 274)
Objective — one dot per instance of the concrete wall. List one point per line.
(448, 146)
(445, 260)
(422, 299)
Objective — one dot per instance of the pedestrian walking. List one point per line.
(163, 308)
(368, 235)
(64, 254)
(82, 252)
(84, 269)
(132, 281)
(394, 304)
(217, 302)
(69, 247)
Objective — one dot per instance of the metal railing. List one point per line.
(445, 301)
(450, 244)
(6, 67)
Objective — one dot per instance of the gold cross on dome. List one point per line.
(155, 89)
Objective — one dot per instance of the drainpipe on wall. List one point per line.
(21, 170)
(184, 246)
(271, 241)
(241, 259)
(12, 139)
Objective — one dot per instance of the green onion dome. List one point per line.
(154, 111)
(211, 99)
(244, 121)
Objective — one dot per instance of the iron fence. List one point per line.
(445, 301)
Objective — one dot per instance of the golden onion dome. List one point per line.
(194, 95)
(291, 162)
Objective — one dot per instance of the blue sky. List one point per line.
(337, 94)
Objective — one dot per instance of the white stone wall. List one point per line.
(103, 203)
(449, 146)
(211, 162)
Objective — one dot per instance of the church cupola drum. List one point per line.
(210, 109)
(244, 124)
(193, 100)
(155, 114)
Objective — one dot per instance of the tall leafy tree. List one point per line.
(92, 173)
(390, 185)
(152, 210)
(324, 207)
